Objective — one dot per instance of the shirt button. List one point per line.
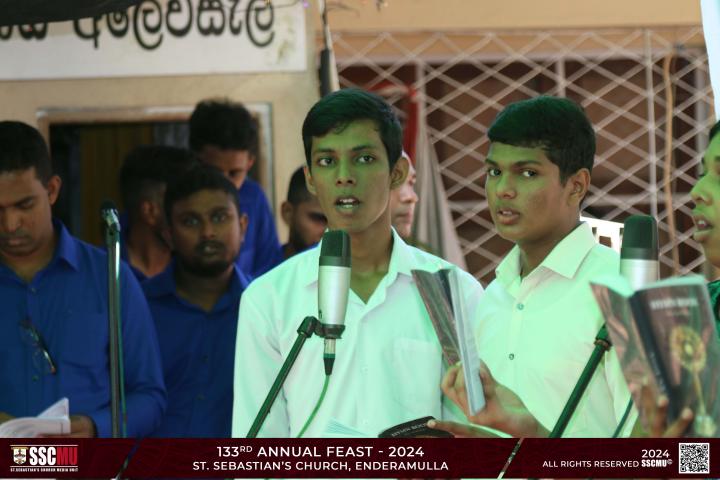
(511, 356)
(35, 378)
(205, 358)
(201, 396)
(520, 306)
(33, 290)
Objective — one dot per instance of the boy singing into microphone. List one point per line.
(538, 319)
(389, 364)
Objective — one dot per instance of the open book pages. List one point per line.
(337, 429)
(665, 337)
(55, 420)
(444, 303)
(434, 290)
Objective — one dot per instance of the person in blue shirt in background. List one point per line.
(195, 302)
(53, 292)
(143, 178)
(225, 135)
(302, 214)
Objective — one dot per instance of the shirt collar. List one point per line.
(565, 259)
(66, 249)
(164, 283)
(401, 260)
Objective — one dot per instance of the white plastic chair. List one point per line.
(606, 232)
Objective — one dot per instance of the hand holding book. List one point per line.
(665, 338)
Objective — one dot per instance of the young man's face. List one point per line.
(235, 164)
(206, 232)
(402, 204)
(527, 201)
(706, 195)
(25, 212)
(306, 221)
(351, 177)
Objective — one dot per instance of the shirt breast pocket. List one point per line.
(417, 367)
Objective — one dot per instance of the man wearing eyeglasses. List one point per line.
(53, 292)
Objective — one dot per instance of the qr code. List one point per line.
(694, 458)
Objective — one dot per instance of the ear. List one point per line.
(286, 212)
(578, 184)
(399, 173)
(53, 188)
(243, 222)
(148, 212)
(166, 236)
(309, 183)
(251, 160)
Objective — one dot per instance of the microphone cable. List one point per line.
(623, 419)
(317, 407)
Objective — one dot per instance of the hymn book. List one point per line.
(55, 420)
(665, 337)
(444, 302)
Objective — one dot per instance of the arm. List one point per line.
(145, 396)
(257, 362)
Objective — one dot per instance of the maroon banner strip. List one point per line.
(361, 458)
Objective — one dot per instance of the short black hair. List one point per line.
(557, 125)
(338, 109)
(199, 177)
(21, 148)
(297, 190)
(147, 168)
(224, 124)
(714, 131)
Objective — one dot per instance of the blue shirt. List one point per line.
(260, 250)
(198, 354)
(67, 303)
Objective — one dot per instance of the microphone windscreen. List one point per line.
(640, 238)
(107, 205)
(335, 249)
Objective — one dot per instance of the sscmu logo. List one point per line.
(44, 458)
(19, 454)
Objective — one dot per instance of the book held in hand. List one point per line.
(665, 337)
(55, 420)
(443, 300)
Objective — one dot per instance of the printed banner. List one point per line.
(360, 458)
(159, 37)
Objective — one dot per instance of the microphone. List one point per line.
(333, 290)
(109, 215)
(639, 251)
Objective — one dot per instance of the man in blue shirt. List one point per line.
(195, 301)
(53, 292)
(143, 177)
(302, 214)
(225, 135)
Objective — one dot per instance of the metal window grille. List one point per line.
(619, 76)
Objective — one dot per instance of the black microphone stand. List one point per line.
(117, 397)
(602, 345)
(306, 329)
